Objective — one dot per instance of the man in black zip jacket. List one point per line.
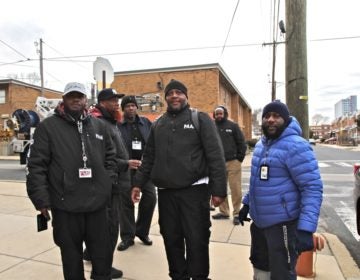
(71, 167)
(187, 165)
(234, 145)
(135, 132)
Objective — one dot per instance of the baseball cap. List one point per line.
(78, 87)
(108, 93)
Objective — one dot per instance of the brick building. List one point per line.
(208, 86)
(19, 95)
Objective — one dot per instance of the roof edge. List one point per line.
(182, 68)
(21, 83)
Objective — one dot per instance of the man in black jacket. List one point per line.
(135, 132)
(187, 165)
(107, 109)
(234, 145)
(71, 167)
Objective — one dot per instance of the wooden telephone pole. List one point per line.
(296, 63)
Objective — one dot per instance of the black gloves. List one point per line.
(244, 211)
(305, 241)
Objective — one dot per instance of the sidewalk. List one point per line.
(26, 254)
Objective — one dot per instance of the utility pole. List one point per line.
(273, 82)
(41, 67)
(296, 63)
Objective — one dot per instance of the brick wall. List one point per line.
(206, 90)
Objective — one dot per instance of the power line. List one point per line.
(15, 62)
(70, 60)
(19, 53)
(64, 58)
(335, 38)
(232, 20)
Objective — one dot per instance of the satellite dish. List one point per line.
(103, 72)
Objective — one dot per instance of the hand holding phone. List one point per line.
(41, 222)
(42, 219)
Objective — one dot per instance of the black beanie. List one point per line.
(174, 84)
(128, 99)
(277, 107)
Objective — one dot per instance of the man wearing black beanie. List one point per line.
(135, 130)
(187, 164)
(284, 198)
(174, 84)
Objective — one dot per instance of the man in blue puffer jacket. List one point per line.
(284, 197)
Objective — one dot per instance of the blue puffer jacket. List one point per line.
(294, 187)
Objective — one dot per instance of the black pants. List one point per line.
(70, 230)
(114, 217)
(128, 226)
(184, 220)
(274, 249)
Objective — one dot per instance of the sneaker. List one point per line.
(116, 273)
(236, 221)
(220, 216)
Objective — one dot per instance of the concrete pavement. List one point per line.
(27, 254)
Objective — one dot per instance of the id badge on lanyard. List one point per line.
(136, 145)
(84, 172)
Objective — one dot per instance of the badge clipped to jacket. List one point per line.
(264, 172)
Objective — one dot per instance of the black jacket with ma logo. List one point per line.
(177, 154)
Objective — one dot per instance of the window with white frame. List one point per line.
(2, 96)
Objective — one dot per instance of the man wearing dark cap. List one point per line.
(107, 109)
(284, 197)
(187, 165)
(135, 132)
(71, 168)
(234, 146)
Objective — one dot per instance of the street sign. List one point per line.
(103, 72)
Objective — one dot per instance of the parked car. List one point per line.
(357, 194)
(312, 141)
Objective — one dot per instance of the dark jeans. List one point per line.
(70, 230)
(184, 220)
(274, 249)
(128, 226)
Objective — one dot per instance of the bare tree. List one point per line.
(31, 78)
(317, 118)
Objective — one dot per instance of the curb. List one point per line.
(346, 263)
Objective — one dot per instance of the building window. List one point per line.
(2, 96)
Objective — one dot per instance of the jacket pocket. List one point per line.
(285, 206)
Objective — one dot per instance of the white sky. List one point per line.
(98, 28)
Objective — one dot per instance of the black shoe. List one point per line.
(86, 256)
(145, 239)
(220, 216)
(125, 244)
(236, 221)
(116, 273)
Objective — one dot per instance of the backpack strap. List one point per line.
(195, 119)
